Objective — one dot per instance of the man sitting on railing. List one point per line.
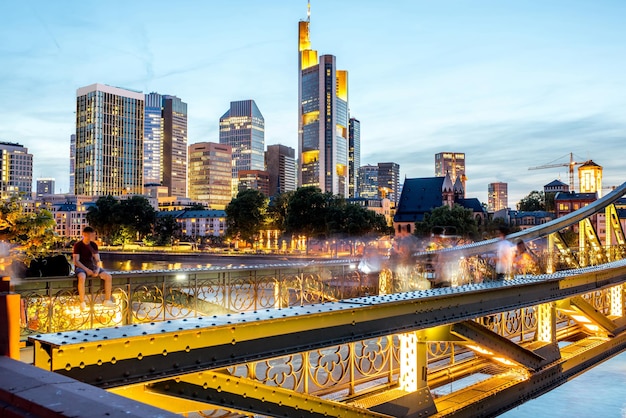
(87, 264)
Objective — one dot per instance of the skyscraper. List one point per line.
(243, 128)
(280, 163)
(368, 181)
(389, 181)
(354, 156)
(165, 143)
(153, 139)
(16, 170)
(210, 173)
(497, 196)
(453, 163)
(72, 161)
(109, 141)
(175, 145)
(322, 119)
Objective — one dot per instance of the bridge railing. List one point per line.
(52, 304)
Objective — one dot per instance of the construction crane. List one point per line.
(571, 166)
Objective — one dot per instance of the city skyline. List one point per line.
(510, 85)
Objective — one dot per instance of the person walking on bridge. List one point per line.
(504, 255)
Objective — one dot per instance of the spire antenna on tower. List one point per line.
(308, 11)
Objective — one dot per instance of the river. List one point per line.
(598, 393)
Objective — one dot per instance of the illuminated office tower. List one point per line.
(153, 140)
(72, 161)
(389, 181)
(368, 181)
(16, 171)
(354, 156)
(280, 163)
(165, 143)
(109, 141)
(497, 196)
(210, 173)
(453, 163)
(243, 128)
(322, 119)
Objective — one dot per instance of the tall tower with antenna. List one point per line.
(322, 117)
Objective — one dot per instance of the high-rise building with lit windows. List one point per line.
(354, 156)
(280, 163)
(368, 181)
(452, 163)
(45, 187)
(210, 173)
(243, 128)
(109, 141)
(497, 196)
(165, 143)
(72, 161)
(16, 171)
(322, 119)
(389, 181)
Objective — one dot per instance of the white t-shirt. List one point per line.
(505, 253)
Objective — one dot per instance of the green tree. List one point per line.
(165, 230)
(534, 201)
(137, 216)
(458, 218)
(307, 212)
(245, 215)
(277, 210)
(31, 234)
(103, 216)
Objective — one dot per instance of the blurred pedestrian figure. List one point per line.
(524, 262)
(504, 255)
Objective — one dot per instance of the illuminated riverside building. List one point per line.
(16, 170)
(165, 143)
(72, 161)
(210, 173)
(280, 163)
(243, 128)
(453, 163)
(322, 119)
(109, 141)
(354, 156)
(497, 196)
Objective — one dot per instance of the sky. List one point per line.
(511, 84)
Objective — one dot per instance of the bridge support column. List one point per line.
(617, 300)
(9, 320)
(546, 322)
(412, 399)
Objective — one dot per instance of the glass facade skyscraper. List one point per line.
(354, 156)
(322, 119)
(109, 141)
(368, 181)
(165, 143)
(243, 128)
(153, 140)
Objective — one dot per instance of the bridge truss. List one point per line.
(474, 350)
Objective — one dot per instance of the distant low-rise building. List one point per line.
(199, 223)
(422, 195)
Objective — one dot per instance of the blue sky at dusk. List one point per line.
(511, 84)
